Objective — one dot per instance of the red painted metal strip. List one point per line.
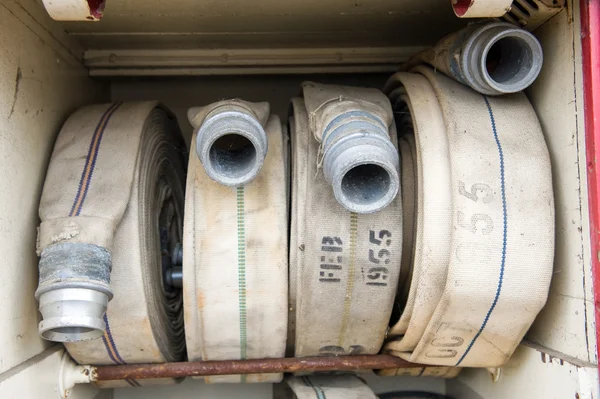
(590, 39)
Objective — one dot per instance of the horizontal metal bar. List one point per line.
(284, 70)
(254, 366)
(157, 62)
(216, 58)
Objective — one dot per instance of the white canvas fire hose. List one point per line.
(409, 182)
(344, 266)
(115, 185)
(484, 240)
(330, 387)
(409, 190)
(235, 254)
(429, 371)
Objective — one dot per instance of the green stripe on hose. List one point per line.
(241, 230)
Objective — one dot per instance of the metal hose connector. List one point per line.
(73, 291)
(232, 145)
(498, 58)
(360, 162)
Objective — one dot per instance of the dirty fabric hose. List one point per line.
(235, 263)
(429, 371)
(408, 155)
(135, 191)
(484, 236)
(330, 387)
(344, 267)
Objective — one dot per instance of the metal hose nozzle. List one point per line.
(498, 58)
(361, 162)
(232, 146)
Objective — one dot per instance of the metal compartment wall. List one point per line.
(44, 79)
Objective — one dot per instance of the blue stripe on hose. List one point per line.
(503, 262)
(90, 161)
(318, 391)
(113, 352)
(111, 342)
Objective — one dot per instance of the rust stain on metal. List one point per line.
(254, 366)
(96, 9)
(94, 374)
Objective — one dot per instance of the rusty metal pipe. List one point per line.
(254, 366)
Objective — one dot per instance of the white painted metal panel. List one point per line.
(39, 87)
(529, 374)
(38, 377)
(267, 23)
(566, 324)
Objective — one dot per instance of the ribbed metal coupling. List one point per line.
(360, 162)
(232, 146)
(498, 58)
(73, 291)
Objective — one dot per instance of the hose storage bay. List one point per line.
(344, 199)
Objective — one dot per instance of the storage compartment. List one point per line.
(187, 54)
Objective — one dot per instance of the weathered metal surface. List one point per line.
(75, 10)
(590, 40)
(531, 14)
(74, 290)
(255, 366)
(480, 8)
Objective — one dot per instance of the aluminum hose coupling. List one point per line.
(360, 161)
(73, 291)
(232, 146)
(492, 58)
(496, 58)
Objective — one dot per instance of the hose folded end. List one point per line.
(362, 166)
(73, 292)
(232, 146)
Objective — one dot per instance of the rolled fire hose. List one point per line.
(492, 58)
(429, 371)
(235, 262)
(409, 190)
(484, 241)
(409, 182)
(115, 184)
(344, 266)
(330, 387)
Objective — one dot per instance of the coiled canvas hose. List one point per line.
(484, 237)
(330, 387)
(235, 263)
(344, 266)
(132, 157)
(408, 156)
